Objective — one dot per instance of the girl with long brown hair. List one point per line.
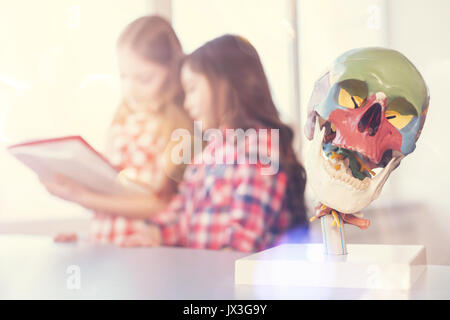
(242, 99)
(234, 205)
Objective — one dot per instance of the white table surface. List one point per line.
(33, 267)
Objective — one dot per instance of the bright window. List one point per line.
(58, 76)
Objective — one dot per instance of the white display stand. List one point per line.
(365, 266)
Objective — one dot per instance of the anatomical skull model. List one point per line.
(364, 116)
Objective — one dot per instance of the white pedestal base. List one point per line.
(365, 266)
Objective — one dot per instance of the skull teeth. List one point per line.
(344, 175)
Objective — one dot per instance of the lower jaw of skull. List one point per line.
(333, 183)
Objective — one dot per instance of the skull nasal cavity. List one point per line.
(371, 120)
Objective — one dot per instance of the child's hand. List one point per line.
(148, 237)
(65, 189)
(66, 237)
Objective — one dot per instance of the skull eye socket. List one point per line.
(400, 112)
(352, 93)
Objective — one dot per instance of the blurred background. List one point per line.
(58, 76)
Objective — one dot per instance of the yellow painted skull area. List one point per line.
(347, 100)
(400, 112)
(397, 119)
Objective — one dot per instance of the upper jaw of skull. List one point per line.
(332, 180)
(365, 130)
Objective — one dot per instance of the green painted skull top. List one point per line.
(383, 70)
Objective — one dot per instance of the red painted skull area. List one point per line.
(366, 130)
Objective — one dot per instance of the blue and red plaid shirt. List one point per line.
(221, 205)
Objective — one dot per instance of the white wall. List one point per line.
(421, 30)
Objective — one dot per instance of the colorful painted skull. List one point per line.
(370, 108)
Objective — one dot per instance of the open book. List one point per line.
(74, 158)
